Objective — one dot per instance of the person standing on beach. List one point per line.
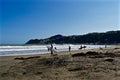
(51, 49)
(69, 48)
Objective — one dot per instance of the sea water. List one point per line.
(9, 50)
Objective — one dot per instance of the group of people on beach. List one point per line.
(82, 47)
(53, 49)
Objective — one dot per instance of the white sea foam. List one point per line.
(39, 49)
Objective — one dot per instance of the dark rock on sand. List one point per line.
(92, 53)
(75, 69)
(78, 54)
(109, 60)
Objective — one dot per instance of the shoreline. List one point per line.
(40, 53)
(61, 52)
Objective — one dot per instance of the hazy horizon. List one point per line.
(22, 20)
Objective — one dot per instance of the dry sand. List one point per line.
(96, 64)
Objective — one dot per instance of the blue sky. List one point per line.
(21, 20)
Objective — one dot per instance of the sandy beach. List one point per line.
(94, 64)
(60, 40)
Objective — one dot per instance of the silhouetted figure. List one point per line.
(51, 49)
(69, 48)
(55, 48)
(80, 47)
(84, 47)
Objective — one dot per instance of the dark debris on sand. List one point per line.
(22, 58)
(93, 54)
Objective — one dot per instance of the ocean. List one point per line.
(10, 50)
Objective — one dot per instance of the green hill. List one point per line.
(110, 37)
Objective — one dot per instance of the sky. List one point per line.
(22, 20)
